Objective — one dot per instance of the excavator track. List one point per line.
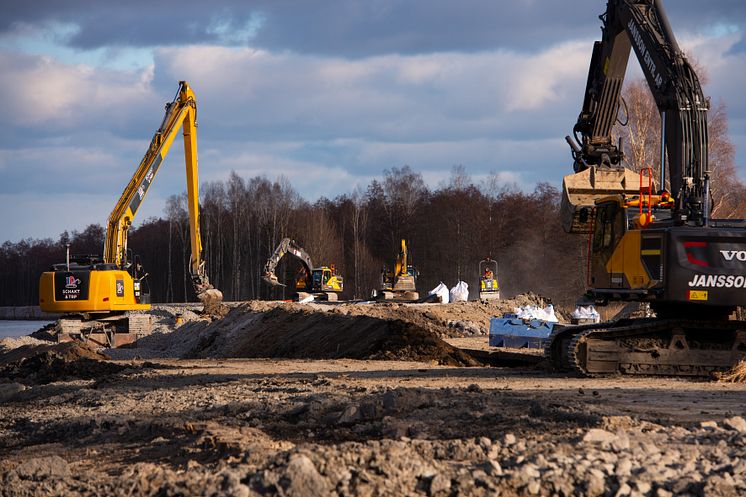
(650, 347)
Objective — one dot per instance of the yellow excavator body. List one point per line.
(90, 291)
(402, 281)
(327, 280)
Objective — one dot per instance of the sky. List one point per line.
(327, 93)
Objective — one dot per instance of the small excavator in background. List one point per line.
(648, 244)
(101, 296)
(401, 283)
(489, 288)
(320, 282)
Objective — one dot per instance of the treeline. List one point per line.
(448, 231)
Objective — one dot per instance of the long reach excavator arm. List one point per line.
(180, 113)
(102, 299)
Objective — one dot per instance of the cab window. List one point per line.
(606, 226)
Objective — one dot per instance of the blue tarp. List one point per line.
(510, 331)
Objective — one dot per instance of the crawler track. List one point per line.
(648, 346)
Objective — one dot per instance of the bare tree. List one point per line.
(358, 223)
(236, 196)
(404, 192)
(641, 132)
(726, 188)
(215, 211)
(176, 210)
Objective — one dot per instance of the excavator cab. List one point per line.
(489, 288)
(326, 279)
(140, 281)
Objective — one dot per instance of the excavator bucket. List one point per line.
(581, 190)
(211, 296)
(271, 279)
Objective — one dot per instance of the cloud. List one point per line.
(355, 29)
(40, 92)
(406, 98)
(346, 28)
(328, 94)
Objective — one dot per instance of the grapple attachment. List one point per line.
(581, 190)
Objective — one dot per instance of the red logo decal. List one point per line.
(691, 253)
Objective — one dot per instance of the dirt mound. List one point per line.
(444, 320)
(272, 329)
(292, 331)
(54, 362)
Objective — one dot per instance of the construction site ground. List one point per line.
(351, 399)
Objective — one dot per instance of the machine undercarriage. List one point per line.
(112, 330)
(648, 346)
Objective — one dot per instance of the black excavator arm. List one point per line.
(291, 247)
(643, 26)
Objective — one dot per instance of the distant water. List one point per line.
(20, 328)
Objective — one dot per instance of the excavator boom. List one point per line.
(642, 26)
(286, 246)
(181, 113)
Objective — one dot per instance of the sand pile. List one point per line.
(285, 330)
(305, 333)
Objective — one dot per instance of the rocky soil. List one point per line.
(207, 421)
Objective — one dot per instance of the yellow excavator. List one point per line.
(401, 282)
(320, 282)
(100, 296)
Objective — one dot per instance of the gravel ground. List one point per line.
(149, 424)
(345, 427)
